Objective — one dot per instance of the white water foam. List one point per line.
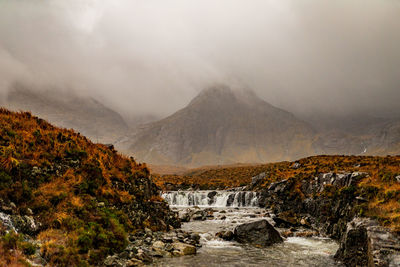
(211, 198)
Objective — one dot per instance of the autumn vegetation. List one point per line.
(79, 192)
(380, 189)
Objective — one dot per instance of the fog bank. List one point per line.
(140, 57)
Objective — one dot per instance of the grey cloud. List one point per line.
(153, 56)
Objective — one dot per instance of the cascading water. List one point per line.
(211, 198)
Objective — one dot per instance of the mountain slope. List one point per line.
(222, 126)
(79, 199)
(84, 114)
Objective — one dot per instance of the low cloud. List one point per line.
(152, 56)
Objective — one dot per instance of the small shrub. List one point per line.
(28, 248)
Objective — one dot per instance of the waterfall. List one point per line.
(211, 198)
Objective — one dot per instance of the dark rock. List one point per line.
(211, 194)
(280, 222)
(144, 256)
(195, 237)
(278, 186)
(167, 239)
(230, 200)
(200, 215)
(124, 255)
(114, 261)
(258, 233)
(365, 243)
(256, 179)
(225, 235)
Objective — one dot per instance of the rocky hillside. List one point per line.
(72, 202)
(380, 188)
(83, 114)
(222, 126)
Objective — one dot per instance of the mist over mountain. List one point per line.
(84, 114)
(222, 126)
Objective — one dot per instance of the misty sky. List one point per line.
(154, 56)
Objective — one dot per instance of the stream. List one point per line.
(230, 209)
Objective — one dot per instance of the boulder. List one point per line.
(183, 249)
(211, 194)
(366, 243)
(258, 233)
(200, 215)
(158, 245)
(225, 235)
(134, 262)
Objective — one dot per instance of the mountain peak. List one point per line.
(226, 94)
(222, 125)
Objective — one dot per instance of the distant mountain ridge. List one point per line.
(84, 114)
(219, 126)
(222, 126)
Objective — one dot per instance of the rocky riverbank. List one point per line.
(146, 245)
(330, 204)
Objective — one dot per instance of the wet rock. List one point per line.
(183, 249)
(258, 233)
(230, 200)
(365, 243)
(200, 215)
(158, 245)
(195, 237)
(144, 256)
(185, 217)
(225, 235)
(114, 261)
(134, 262)
(284, 223)
(211, 196)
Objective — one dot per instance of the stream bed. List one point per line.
(294, 251)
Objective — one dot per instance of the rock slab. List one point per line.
(259, 233)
